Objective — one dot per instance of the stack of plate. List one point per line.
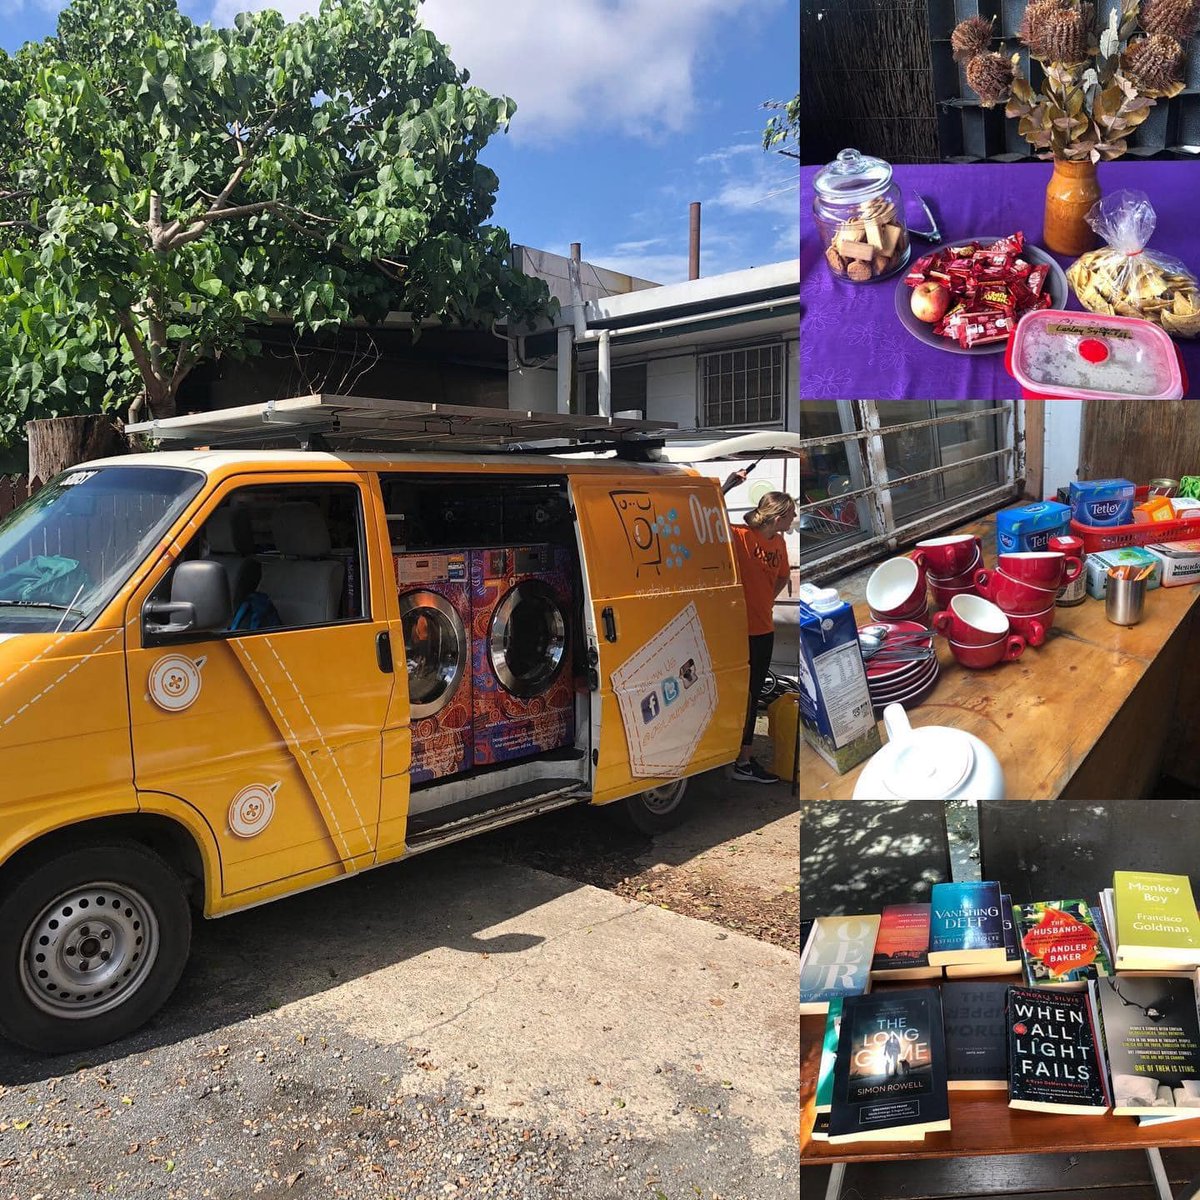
(906, 683)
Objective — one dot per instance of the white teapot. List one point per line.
(934, 762)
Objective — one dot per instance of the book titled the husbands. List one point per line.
(890, 1072)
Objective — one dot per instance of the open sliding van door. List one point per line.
(666, 627)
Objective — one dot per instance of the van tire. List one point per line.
(92, 942)
(655, 810)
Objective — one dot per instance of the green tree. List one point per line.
(784, 126)
(166, 186)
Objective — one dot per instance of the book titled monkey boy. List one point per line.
(890, 1072)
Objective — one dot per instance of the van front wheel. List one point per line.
(92, 942)
(657, 809)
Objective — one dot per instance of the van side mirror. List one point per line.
(199, 602)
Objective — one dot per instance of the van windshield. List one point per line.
(66, 551)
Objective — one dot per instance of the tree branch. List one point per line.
(197, 225)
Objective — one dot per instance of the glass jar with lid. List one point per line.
(859, 213)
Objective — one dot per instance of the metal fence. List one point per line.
(968, 132)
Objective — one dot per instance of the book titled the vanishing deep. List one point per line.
(967, 925)
(890, 1072)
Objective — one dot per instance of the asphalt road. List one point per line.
(454, 1026)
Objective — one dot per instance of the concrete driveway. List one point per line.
(637, 1051)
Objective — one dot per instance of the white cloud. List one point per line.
(575, 66)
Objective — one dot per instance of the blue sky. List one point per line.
(627, 111)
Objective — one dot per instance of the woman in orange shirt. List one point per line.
(763, 565)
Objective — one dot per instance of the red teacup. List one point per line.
(979, 658)
(1032, 626)
(1045, 569)
(946, 557)
(1012, 595)
(943, 593)
(897, 588)
(972, 621)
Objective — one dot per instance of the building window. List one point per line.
(875, 474)
(742, 387)
(628, 391)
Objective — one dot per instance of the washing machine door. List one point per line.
(528, 638)
(435, 646)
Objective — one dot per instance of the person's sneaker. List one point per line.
(751, 772)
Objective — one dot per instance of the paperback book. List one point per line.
(976, 1045)
(967, 926)
(1156, 924)
(1153, 1043)
(890, 1072)
(1012, 951)
(824, 1097)
(837, 960)
(902, 948)
(1060, 944)
(1054, 1062)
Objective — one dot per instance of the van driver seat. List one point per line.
(231, 543)
(305, 582)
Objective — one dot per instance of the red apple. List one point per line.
(929, 301)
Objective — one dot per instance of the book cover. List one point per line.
(1054, 1063)
(806, 928)
(902, 948)
(1156, 920)
(1061, 944)
(967, 925)
(1012, 951)
(1153, 1043)
(891, 1066)
(823, 1100)
(976, 1035)
(837, 960)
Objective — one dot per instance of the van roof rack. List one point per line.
(329, 422)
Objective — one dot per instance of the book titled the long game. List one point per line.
(891, 1066)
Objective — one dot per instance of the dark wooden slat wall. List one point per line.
(866, 80)
(1140, 439)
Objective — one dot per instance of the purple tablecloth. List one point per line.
(853, 346)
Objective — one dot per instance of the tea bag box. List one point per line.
(1031, 526)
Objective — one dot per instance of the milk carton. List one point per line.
(1102, 501)
(1096, 566)
(835, 703)
(1030, 526)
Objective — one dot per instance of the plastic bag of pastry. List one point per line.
(1125, 278)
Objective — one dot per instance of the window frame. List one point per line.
(865, 448)
(777, 345)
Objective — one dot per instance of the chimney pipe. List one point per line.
(575, 251)
(694, 240)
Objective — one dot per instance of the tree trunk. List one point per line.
(61, 442)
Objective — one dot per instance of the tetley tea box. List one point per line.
(835, 704)
(1030, 526)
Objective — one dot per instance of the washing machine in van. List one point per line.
(523, 690)
(435, 611)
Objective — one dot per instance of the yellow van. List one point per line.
(231, 675)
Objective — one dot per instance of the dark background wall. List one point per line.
(880, 76)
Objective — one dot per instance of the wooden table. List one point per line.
(983, 1124)
(1092, 714)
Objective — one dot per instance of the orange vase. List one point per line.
(1071, 192)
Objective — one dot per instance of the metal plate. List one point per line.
(1056, 281)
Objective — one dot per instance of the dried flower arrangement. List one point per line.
(1096, 90)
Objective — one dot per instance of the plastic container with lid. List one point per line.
(859, 213)
(1057, 355)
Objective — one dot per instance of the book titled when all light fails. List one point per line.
(1053, 1061)
(890, 1072)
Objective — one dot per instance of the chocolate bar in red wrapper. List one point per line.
(1013, 244)
(1035, 281)
(983, 327)
(997, 295)
(919, 271)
